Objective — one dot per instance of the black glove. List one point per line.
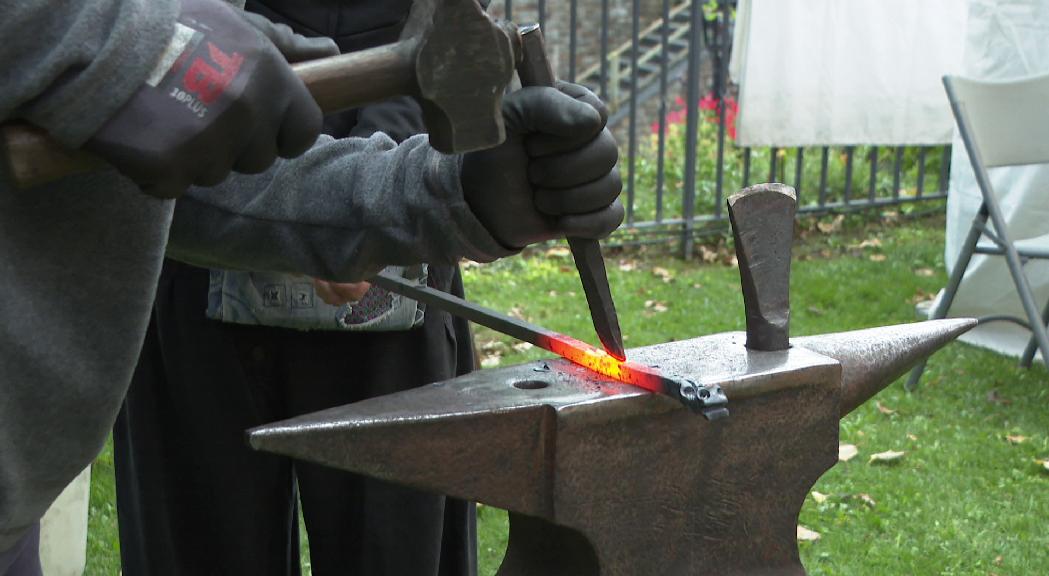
(222, 98)
(554, 176)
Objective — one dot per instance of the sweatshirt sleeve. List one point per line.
(69, 65)
(342, 211)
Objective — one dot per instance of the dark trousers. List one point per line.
(24, 558)
(194, 499)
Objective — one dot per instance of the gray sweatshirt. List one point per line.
(79, 258)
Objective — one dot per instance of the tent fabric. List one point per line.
(829, 73)
(1006, 39)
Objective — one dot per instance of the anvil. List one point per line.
(603, 478)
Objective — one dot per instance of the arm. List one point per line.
(69, 65)
(342, 211)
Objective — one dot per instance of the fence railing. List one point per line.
(662, 66)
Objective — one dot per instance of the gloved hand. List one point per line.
(221, 98)
(554, 176)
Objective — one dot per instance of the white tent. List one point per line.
(1005, 39)
(830, 72)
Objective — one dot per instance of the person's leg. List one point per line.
(192, 497)
(24, 558)
(359, 525)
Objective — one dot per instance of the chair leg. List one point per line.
(951, 290)
(1032, 344)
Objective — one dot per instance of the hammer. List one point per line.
(452, 57)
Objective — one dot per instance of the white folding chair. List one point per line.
(1001, 124)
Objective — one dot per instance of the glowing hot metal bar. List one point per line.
(707, 399)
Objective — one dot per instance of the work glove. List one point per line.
(222, 97)
(554, 176)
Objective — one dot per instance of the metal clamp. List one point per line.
(708, 400)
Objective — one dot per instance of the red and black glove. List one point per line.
(221, 98)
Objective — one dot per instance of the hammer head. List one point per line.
(464, 60)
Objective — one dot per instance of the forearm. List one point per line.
(70, 65)
(342, 211)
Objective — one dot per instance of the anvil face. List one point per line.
(649, 487)
(602, 478)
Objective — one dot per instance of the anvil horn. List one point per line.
(872, 359)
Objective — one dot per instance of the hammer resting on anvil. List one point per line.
(603, 478)
(452, 57)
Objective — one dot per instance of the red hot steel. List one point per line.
(709, 400)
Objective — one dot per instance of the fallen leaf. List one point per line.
(806, 535)
(998, 560)
(884, 410)
(697, 286)
(866, 499)
(878, 257)
(886, 457)
(707, 255)
(627, 266)
(490, 361)
(816, 311)
(920, 296)
(523, 346)
(656, 305)
(868, 243)
(994, 397)
(832, 226)
(924, 272)
(1017, 439)
(552, 293)
(664, 274)
(558, 252)
(819, 497)
(847, 452)
(912, 437)
(517, 312)
(1043, 463)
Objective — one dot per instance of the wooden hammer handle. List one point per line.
(337, 83)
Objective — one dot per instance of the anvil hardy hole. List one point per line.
(531, 384)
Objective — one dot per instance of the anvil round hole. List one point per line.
(531, 384)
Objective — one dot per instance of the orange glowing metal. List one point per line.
(587, 356)
(708, 399)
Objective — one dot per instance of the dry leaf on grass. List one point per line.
(868, 243)
(627, 266)
(912, 437)
(1017, 439)
(994, 397)
(866, 499)
(878, 257)
(832, 226)
(656, 305)
(558, 252)
(847, 452)
(517, 312)
(924, 272)
(490, 361)
(1044, 464)
(523, 346)
(887, 457)
(663, 274)
(883, 409)
(707, 255)
(806, 535)
(819, 497)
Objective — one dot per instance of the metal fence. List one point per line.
(662, 66)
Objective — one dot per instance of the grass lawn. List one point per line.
(968, 496)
